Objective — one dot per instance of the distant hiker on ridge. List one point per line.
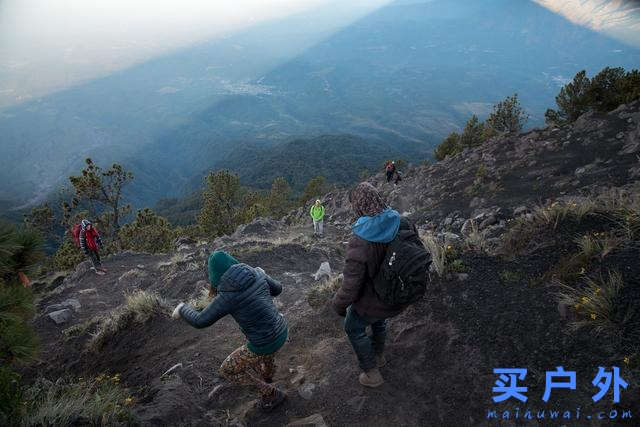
(385, 270)
(87, 238)
(246, 294)
(390, 167)
(317, 215)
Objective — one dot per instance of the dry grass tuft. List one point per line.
(139, 307)
(438, 253)
(93, 401)
(319, 294)
(201, 300)
(597, 304)
(476, 239)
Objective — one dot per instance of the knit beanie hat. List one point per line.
(366, 201)
(219, 262)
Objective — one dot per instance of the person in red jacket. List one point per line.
(91, 243)
(390, 168)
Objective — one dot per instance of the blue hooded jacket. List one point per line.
(381, 228)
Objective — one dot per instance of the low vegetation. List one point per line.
(147, 233)
(604, 92)
(444, 257)
(91, 401)
(20, 250)
(596, 303)
(139, 307)
(201, 300)
(320, 293)
(507, 118)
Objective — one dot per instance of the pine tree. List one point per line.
(316, 187)
(102, 188)
(507, 118)
(280, 197)
(147, 233)
(221, 203)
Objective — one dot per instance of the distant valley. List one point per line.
(172, 119)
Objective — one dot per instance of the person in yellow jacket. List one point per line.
(317, 214)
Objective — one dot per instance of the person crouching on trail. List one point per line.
(377, 229)
(91, 243)
(246, 294)
(317, 215)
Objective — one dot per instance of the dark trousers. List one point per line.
(365, 347)
(389, 176)
(94, 257)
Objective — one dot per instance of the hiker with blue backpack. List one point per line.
(386, 269)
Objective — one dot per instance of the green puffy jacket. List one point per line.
(317, 212)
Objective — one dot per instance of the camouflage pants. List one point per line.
(243, 367)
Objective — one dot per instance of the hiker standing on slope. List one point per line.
(385, 270)
(90, 242)
(390, 167)
(246, 294)
(317, 215)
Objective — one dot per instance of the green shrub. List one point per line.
(147, 233)
(507, 118)
(597, 304)
(315, 188)
(98, 401)
(473, 133)
(68, 255)
(449, 147)
(20, 249)
(10, 397)
(607, 90)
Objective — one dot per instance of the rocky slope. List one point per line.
(509, 217)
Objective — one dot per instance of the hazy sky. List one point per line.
(46, 45)
(50, 44)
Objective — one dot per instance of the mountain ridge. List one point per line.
(503, 253)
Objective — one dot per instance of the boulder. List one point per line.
(488, 221)
(259, 227)
(324, 272)
(61, 316)
(314, 420)
(467, 227)
(306, 390)
(520, 210)
(71, 303)
(450, 238)
(184, 240)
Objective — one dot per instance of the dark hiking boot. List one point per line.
(269, 403)
(380, 360)
(371, 378)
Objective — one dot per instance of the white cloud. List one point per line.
(618, 18)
